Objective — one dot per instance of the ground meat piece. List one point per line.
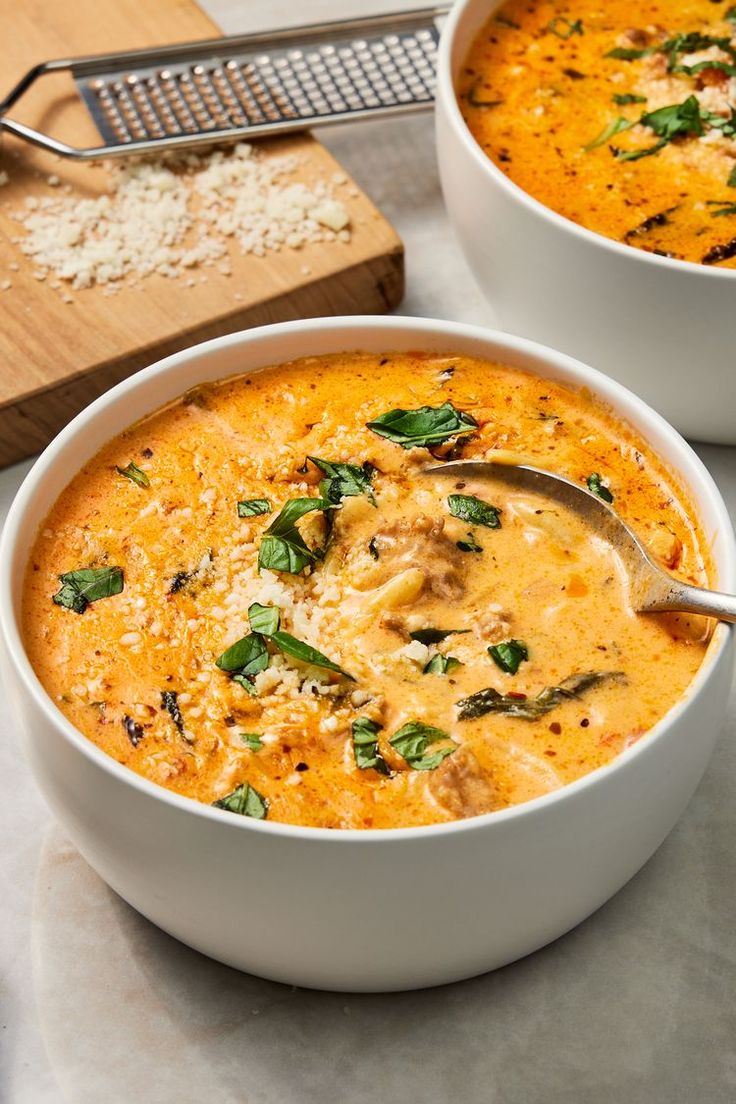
(461, 787)
(421, 542)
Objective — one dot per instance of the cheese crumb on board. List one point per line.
(172, 216)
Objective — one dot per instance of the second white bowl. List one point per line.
(660, 326)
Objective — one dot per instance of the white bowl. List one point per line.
(360, 910)
(660, 326)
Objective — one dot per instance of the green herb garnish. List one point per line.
(614, 127)
(244, 800)
(570, 28)
(475, 100)
(474, 511)
(509, 654)
(412, 741)
(283, 548)
(624, 53)
(344, 480)
(531, 709)
(627, 98)
(435, 636)
(424, 427)
(135, 474)
(365, 746)
(504, 21)
(731, 182)
(244, 659)
(87, 585)
(441, 665)
(264, 619)
(595, 485)
(724, 207)
(290, 646)
(469, 545)
(373, 549)
(668, 123)
(252, 740)
(253, 507)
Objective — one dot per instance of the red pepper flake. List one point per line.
(517, 695)
(555, 728)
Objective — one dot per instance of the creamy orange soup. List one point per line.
(256, 596)
(620, 116)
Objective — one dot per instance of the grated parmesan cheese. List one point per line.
(171, 216)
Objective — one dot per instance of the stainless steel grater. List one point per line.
(247, 86)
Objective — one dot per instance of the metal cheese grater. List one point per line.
(247, 86)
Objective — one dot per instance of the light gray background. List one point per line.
(636, 1005)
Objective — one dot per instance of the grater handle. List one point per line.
(186, 141)
(88, 67)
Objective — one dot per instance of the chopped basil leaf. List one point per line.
(623, 53)
(475, 100)
(474, 511)
(373, 548)
(504, 21)
(509, 654)
(595, 485)
(424, 427)
(435, 636)
(247, 657)
(412, 741)
(288, 644)
(133, 730)
(264, 619)
(253, 507)
(732, 178)
(246, 683)
(365, 746)
(627, 98)
(636, 155)
(614, 127)
(731, 15)
(283, 548)
(441, 665)
(673, 121)
(344, 480)
(531, 709)
(570, 28)
(170, 702)
(89, 584)
(689, 43)
(244, 800)
(135, 474)
(724, 207)
(469, 545)
(252, 740)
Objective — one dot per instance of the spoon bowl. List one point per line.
(651, 589)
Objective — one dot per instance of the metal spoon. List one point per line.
(651, 588)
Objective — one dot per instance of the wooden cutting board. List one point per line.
(56, 357)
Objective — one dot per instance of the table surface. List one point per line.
(635, 1005)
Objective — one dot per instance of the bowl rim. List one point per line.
(446, 95)
(612, 392)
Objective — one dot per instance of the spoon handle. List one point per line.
(683, 598)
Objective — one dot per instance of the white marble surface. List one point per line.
(636, 1005)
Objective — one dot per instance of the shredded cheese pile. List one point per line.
(172, 217)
